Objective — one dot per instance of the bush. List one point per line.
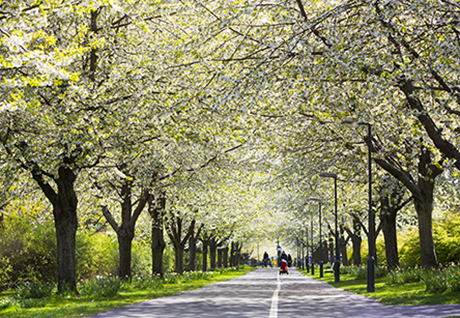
(409, 248)
(34, 290)
(404, 276)
(27, 252)
(443, 279)
(101, 287)
(446, 233)
(360, 272)
(96, 255)
(141, 259)
(7, 302)
(146, 282)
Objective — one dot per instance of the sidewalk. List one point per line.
(263, 293)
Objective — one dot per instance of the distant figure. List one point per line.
(283, 256)
(289, 260)
(283, 267)
(266, 260)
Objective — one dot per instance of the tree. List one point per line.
(391, 201)
(55, 109)
(355, 235)
(125, 230)
(175, 232)
(156, 208)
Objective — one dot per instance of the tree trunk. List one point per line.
(220, 253)
(422, 191)
(64, 203)
(212, 253)
(125, 241)
(156, 211)
(175, 235)
(238, 247)
(343, 248)
(158, 246)
(125, 231)
(192, 253)
(225, 257)
(388, 221)
(179, 259)
(356, 240)
(424, 210)
(66, 228)
(205, 255)
(325, 253)
(232, 254)
(331, 251)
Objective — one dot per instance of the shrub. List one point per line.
(404, 276)
(96, 255)
(101, 287)
(435, 282)
(443, 279)
(146, 282)
(409, 248)
(446, 233)
(359, 272)
(141, 259)
(27, 252)
(33, 290)
(7, 302)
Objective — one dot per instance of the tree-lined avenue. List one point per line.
(253, 295)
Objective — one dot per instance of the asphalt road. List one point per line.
(264, 294)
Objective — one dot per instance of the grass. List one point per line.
(410, 294)
(84, 306)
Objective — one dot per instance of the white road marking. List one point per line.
(274, 306)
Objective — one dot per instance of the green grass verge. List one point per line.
(410, 294)
(84, 306)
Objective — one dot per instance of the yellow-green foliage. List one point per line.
(446, 234)
(97, 255)
(409, 248)
(27, 251)
(447, 238)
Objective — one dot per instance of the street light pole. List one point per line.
(337, 248)
(370, 258)
(311, 259)
(321, 273)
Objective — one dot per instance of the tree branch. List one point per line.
(108, 216)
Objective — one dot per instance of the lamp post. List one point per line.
(311, 249)
(337, 248)
(370, 258)
(278, 250)
(307, 265)
(321, 274)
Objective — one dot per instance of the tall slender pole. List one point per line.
(370, 259)
(337, 248)
(320, 245)
(312, 260)
(307, 266)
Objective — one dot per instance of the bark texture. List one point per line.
(156, 210)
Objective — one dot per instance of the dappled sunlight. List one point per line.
(251, 296)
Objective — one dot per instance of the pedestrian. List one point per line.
(289, 260)
(283, 256)
(266, 259)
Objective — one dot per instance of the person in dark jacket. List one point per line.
(283, 256)
(289, 260)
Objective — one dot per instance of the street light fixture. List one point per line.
(321, 274)
(337, 249)
(370, 259)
